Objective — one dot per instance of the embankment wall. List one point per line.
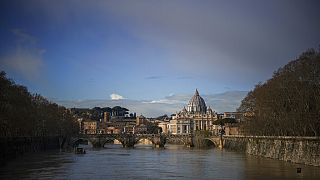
(303, 150)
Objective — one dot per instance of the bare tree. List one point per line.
(289, 102)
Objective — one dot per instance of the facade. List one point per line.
(140, 129)
(125, 125)
(141, 120)
(164, 126)
(195, 117)
(89, 126)
(106, 117)
(232, 129)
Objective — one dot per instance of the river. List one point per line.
(144, 162)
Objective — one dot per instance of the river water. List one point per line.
(144, 162)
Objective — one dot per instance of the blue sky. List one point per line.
(150, 50)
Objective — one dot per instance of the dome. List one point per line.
(197, 104)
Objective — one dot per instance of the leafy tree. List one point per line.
(225, 121)
(119, 111)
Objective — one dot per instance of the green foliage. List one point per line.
(23, 114)
(289, 102)
(153, 129)
(119, 111)
(97, 113)
(224, 121)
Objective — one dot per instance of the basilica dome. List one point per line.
(197, 104)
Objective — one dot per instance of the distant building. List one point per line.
(113, 130)
(106, 117)
(89, 126)
(232, 129)
(195, 117)
(80, 125)
(141, 120)
(164, 126)
(141, 129)
(238, 116)
(121, 125)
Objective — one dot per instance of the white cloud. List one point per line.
(116, 97)
(171, 99)
(162, 101)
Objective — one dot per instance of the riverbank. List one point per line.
(302, 150)
(13, 147)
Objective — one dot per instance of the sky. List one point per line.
(151, 55)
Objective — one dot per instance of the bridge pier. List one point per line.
(159, 141)
(96, 143)
(128, 142)
(221, 142)
(189, 142)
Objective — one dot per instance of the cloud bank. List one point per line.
(245, 38)
(227, 101)
(250, 38)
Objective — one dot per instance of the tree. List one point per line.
(23, 114)
(119, 111)
(289, 102)
(225, 121)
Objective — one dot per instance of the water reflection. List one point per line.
(144, 162)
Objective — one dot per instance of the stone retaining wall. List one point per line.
(303, 150)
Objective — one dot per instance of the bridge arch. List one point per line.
(149, 139)
(77, 141)
(95, 142)
(127, 140)
(111, 140)
(214, 141)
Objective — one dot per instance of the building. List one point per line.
(232, 129)
(80, 125)
(106, 117)
(164, 126)
(113, 130)
(140, 129)
(89, 126)
(238, 116)
(124, 125)
(141, 120)
(195, 117)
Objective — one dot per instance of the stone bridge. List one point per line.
(218, 141)
(129, 140)
(185, 139)
(188, 139)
